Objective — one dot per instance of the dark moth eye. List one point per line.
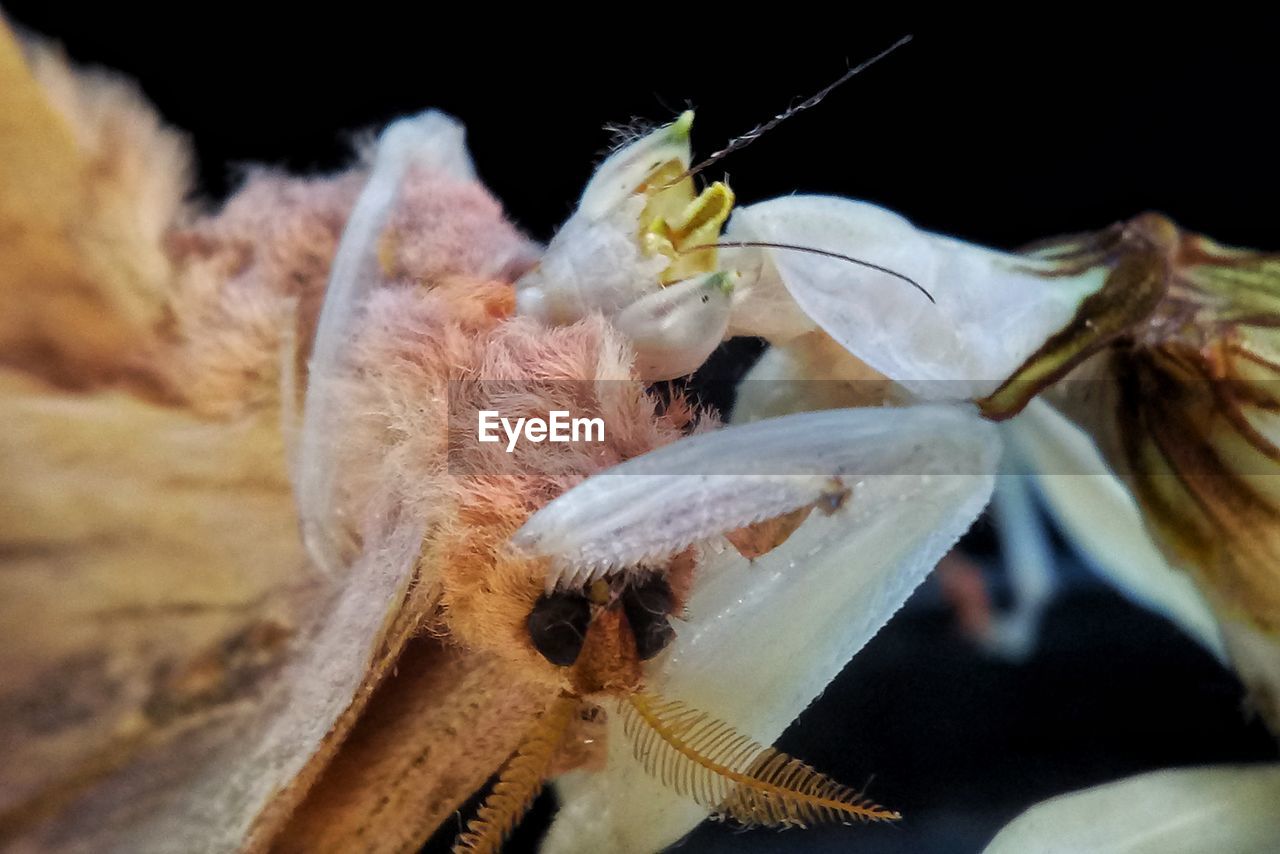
(558, 626)
(647, 606)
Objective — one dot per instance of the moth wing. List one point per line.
(134, 613)
(430, 140)
(171, 667)
(219, 780)
(990, 310)
(152, 578)
(760, 640)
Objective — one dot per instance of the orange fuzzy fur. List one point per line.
(431, 357)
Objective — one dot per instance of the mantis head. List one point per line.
(640, 249)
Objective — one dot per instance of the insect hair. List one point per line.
(740, 142)
(623, 133)
(826, 253)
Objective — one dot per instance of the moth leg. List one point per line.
(760, 538)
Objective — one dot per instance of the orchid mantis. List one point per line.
(823, 275)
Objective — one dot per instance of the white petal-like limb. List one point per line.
(1028, 563)
(675, 329)
(1181, 811)
(658, 503)
(992, 311)
(762, 639)
(1103, 522)
(430, 140)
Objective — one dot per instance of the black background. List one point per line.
(1000, 131)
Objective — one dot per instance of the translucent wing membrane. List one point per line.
(1181, 811)
(1103, 520)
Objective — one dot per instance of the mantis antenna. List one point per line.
(827, 253)
(740, 142)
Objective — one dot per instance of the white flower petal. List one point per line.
(1028, 563)
(1183, 811)
(762, 639)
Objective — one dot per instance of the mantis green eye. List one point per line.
(641, 250)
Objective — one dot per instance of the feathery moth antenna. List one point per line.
(826, 253)
(519, 782)
(740, 142)
(708, 761)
